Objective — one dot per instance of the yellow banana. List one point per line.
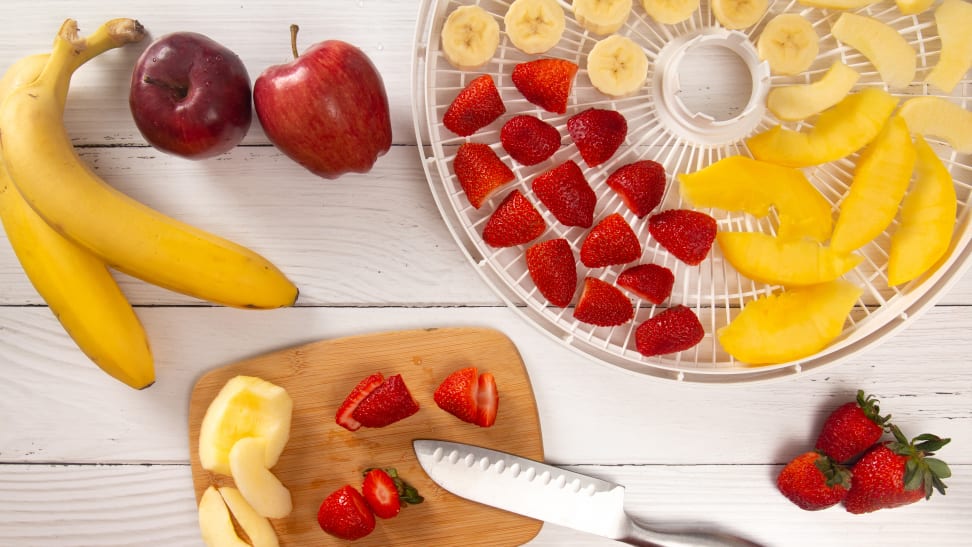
(125, 234)
(76, 285)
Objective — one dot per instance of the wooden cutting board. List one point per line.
(322, 456)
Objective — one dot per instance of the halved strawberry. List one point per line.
(480, 172)
(386, 404)
(598, 133)
(528, 139)
(567, 195)
(345, 514)
(553, 269)
(648, 281)
(344, 414)
(602, 304)
(675, 329)
(685, 233)
(514, 222)
(380, 492)
(546, 82)
(475, 107)
(641, 185)
(469, 396)
(611, 242)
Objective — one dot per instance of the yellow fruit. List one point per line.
(913, 7)
(798, 102)
(879, 183)
(927, 219)
(889, 52)
(953, 19)
(470, 37)
(259, 487)
(601, 16)
(840, 131)
(669, 12)
(794, 263)
(837, 4)
(258, 529)
(789, 325)
(738, 183)
(788, 43)
(215, 523)
(933, 116)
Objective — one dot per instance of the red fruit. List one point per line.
(641, 185)
(529, 140)
(650, 282)
(611, 242)
(386, 404)
(546, 82)
(475, 107)
(851, 429)
(344, 414)
(514, 222)
(565, 191)
(687, 234)
(602, 304)
(553, 269)
(675, 329)
(597, 133)
(380, 492)
(480, 172)
(469, 396)
(813, 482)
(345, 514)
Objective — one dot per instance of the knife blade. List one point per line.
(548, 493)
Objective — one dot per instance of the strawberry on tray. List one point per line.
(567, 194)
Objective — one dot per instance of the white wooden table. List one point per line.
(85, 460)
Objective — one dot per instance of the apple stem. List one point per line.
(293, 39)
(180, 90)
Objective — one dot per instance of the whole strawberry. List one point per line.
(813, 481)
(852, 428)
(896, 473)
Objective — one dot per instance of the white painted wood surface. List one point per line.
(86, 461)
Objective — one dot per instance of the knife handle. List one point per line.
(637, 534)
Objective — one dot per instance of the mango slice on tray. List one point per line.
(793, 263)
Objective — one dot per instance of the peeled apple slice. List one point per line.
(259, 487)
(601, 16)
(246, 406)
(470, 37)
(913, 7)
(535, 26)
(937, 117)
(215, 524)
(669, 12)
(799, 102)
(953, 19)
(617, 66)
(738, 14)
(258, 529)
(889, 52)
(791, 263)
(788, 43)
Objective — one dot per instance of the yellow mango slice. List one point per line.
(890, 53)
(739, 183)
(840, 130)
(953, 19)
(794, 263)
(927, 219)
(789, 325)
(937, 117)
(880, 182)
(799, 102)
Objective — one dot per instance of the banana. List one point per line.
(788, 43)
(122, 232)
(617, 66)
(76, 285)
(602, 16)
(535, 26)
(669, 12)
(470, 37)
(738, 14)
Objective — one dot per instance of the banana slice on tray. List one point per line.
(738, 14)
(470, 37)
(617, 66)
(534, 26)
(602, 16)
(669, 12)
(788, 43)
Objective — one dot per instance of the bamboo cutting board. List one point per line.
(321, 456)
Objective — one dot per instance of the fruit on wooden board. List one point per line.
(938, 117)
(640, 185)
(840, 130)
(545, 82)
(529, 140)
(800, 101)
(566, 194)
(345, 514)
(789, 43)
(215, 523)
(788, 262)
(650, 282)
(475, 106)
(879, 183)
(257, 528)
(738, 14)
(469, 395)
(673, 330)
(481, 173)
(890, 53)
(617, 66)
(470, 37)
(597, 133)
(601, 16)
(851, 429)
(739, 183)
(812, 481)
(246, 406)
(378, 489)
(602, 304)
(388, 402)
(789, 325)
(553, 269)
(514, 222)
(534, 26)
(926, 221)
(670, 12)
(953, 19)
(258, 485)
(610, 242)
(685, 233)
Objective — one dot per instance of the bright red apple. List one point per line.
(327, 109)
(190, 96)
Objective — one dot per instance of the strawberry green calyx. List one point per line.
(834, 473)
(407, 494)
(869, 405)
(921, 471)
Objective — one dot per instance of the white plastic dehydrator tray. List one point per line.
(695, 65)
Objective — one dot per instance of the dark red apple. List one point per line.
(190, 96)
(327, 109)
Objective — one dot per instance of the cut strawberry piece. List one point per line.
(687, 234)
(567, 195)
(602, 304)
(546, 82)
(476, 106)
(345, 514)
(650, 282)
(529, 140)
(469, 396)
(611, 242)
(675, 329)
(386, 404)
(514, 222)
(598, 134)
(641, 185)
(553, 268)
(480, 172)
(487, 400)
(344, 414)
(380, 492)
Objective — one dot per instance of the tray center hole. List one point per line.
(715, 81)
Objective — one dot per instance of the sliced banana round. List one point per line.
(738, 14)
(617, 66)
(470, 37)
(669, 12)
(788, 43)
(602, 16)
(534, 26)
